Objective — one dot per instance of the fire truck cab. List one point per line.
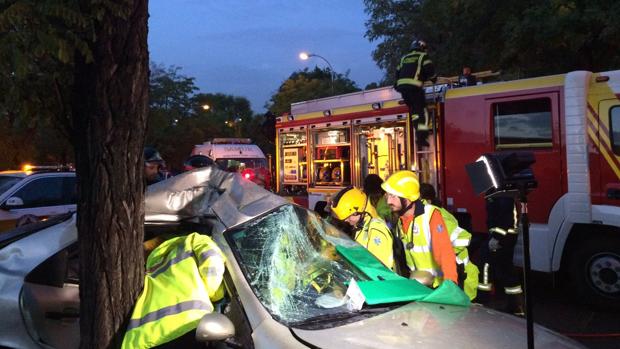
(571, 122)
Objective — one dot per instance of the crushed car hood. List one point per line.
(434, 326)
(207, 192)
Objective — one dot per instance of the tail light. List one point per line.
(248, 174)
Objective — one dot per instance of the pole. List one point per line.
(525, 224)
(331, 69)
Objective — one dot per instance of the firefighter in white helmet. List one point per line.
(352, 206)
(421, 229)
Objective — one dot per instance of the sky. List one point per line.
(248, 48)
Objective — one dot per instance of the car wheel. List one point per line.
(595, 271)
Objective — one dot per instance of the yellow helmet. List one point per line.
(404, 184)
(351, 200)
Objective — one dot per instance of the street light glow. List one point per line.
(206, 107)
(305, 55)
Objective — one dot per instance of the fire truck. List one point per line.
(571, 122)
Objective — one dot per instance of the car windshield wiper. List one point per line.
(341, 316)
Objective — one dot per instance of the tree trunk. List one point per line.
(110, 101)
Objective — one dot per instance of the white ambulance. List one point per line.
(237, 155)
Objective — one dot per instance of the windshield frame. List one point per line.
(341, 315)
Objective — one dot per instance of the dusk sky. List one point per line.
(248, 48)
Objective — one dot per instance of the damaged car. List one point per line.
(292, 280)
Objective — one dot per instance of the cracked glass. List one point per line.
(289, 258)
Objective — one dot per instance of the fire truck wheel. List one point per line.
(596, 272)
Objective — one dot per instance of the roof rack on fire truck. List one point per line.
(379, 98)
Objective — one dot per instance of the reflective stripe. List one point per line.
(512, 231)
(163, 261)
(498, 230)
(210, 253)
(170, 310)
(175, 260)
(420, 249)
(513, 290)
(461, 243)
(485, 275)
(462, 261)
(485, 287)
(454, 235)
(409, 81)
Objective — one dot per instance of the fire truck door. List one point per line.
(609, 149)
(532, 123)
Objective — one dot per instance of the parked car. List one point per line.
(27, 196)
(285, 279)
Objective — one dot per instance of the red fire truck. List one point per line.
(571, 122)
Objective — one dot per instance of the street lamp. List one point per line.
(206, 107)
(305, 55)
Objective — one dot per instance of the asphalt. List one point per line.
(555, 308)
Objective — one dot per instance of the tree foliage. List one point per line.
(307, 84)
(178, 119)
(521, 38)
(36, 56)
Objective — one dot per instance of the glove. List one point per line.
(494, 244)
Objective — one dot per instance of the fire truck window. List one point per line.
(523, 124)
(614, 128)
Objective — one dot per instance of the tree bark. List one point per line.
(110, 101)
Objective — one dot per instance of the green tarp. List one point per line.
(386, 286)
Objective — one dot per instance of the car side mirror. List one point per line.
(13, 202)
(214, 327)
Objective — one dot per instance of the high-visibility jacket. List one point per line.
(377, 238)
(460, 239)
(414, 68)
(428, 247)
(183, 276)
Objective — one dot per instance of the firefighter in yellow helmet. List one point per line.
(352, 206)
(421, 229)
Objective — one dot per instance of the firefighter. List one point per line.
(153, 164)
(497, 254)
(460, 239)
(183, 276)
(376, 195)
(353, 206)
(414, 69)
(421, 229)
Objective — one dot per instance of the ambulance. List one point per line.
(237, 155)
(571, 122)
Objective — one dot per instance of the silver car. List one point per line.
(286, 280)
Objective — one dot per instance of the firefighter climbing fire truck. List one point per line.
(571, 122)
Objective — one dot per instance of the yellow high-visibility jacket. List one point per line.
(183, 276)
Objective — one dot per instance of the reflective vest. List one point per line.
(377, 238)
(417, 241)
(410, 68)
(183, 276)
(460, 239)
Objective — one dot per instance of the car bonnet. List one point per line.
(434, 326)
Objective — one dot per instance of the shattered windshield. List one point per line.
(289, 259)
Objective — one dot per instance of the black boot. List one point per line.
(516, 305)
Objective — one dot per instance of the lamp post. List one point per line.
(305, 55)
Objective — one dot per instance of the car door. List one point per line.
(41, 197)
